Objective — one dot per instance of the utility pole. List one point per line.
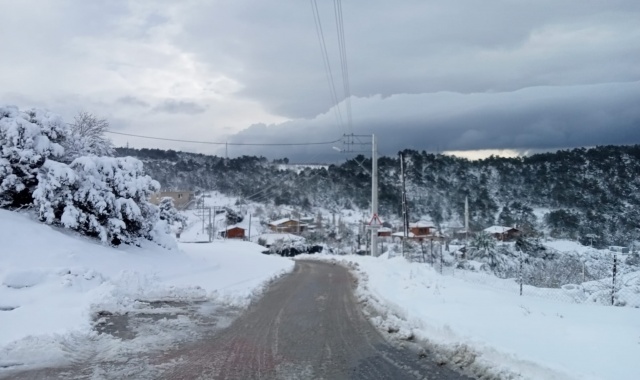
(249, 227)
(210, 227)
(405, 214)
(374, 196)
(466, 220)
(203, 214)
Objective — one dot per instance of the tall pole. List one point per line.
(249, 227)
(210, 226)
(466, 219)
(405, 216)
(374, 196)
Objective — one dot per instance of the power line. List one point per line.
(337, 7)
(326, 61)
(226, 143)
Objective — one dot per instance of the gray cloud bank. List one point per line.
(528, 119)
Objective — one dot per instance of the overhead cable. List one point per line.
(226, 143)
(326, 61)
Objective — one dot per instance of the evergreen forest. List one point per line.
(588, 194)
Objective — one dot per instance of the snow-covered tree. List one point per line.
(104, 197)
(86, 138)
(27, 139)
(483, 246)
(169, 213)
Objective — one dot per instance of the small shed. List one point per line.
(234, 232)
(422, 228)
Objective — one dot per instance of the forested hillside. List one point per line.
(582, 193)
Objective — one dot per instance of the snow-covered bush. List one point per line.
(27, 139)
(104, 197)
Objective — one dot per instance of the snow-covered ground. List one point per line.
(492, 331)
(53, 281)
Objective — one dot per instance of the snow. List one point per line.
(567, 246)
(401, 234)
(271, 238)
(280, 221)
(52, 281)
(422, 224)
(496, 229)
(494, 332)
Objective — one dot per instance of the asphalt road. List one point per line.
(307, 325)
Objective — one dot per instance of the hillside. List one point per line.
(567, 194)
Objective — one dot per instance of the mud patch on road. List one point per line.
(127, 344)
(130, 324)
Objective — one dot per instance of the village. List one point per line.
(213, 216)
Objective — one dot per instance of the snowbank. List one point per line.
(491, 331)
(52, 281)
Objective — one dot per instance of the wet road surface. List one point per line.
(307, 325)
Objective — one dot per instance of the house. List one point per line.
(453, 227)
(422, 228)
(435, 236)
(502, 233)
(398, 236)
(384, 231)
(287, 225)
(234, 232)
(181, 198)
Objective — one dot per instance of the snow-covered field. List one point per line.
(492, 331)
(53, 281)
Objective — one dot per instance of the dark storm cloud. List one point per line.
(531, 119)
(180, 106)
(418, 46)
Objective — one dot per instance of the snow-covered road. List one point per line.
(308, 325)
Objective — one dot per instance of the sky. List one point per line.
(465, 77)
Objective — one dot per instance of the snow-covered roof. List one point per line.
(422, 224)
(497, 229)
(401, 234)
(280, 221)
(234, 226)
(384, 229)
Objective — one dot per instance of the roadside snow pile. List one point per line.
(490, 331)
(54, 282)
